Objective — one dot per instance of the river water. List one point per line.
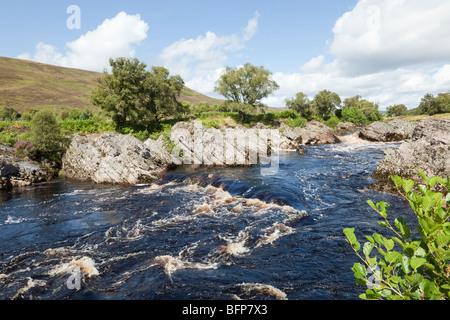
(202, 233)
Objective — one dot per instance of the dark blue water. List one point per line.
(199, 235)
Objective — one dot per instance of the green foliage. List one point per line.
(9, 114)
(404, 267)
(325, 103)
(46, 135)
(432, 105)
(246, 85)
(352, 114)
(298, 122)
(77, 114)
(397, 110)
(133, 94)
(86, 126)
(302, 105)
(333, 122)
(361, 111)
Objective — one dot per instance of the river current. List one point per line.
(201, 233)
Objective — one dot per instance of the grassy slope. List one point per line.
(26, 84)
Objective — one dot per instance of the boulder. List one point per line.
(115, 158)
(314, 133)
(239, 146)
(345, 128)
(393, 131)
(18, 172)
(428, 149)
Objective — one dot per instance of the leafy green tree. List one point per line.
(46, 135)
(119, 93)
(396, 110)
(325, 103)
(159, 96)
(432, 105)
(302, 105)
(131, 93)
(406, 267)
(246, 85)
(367, 108)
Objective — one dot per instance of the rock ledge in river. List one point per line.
(115, 158)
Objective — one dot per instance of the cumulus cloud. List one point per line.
(202, 60)
(116, 37)
(388, 51)
(379, 35)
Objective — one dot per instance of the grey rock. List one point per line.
(314, 133)
(17, 172)
(428, 149)
(115, 158)
(393, 131)
(239, 146)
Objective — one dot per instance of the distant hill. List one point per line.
(26, 85)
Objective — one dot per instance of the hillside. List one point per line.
(25, 85)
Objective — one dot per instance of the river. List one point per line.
(201, 233)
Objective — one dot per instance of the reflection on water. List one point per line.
(202, 233)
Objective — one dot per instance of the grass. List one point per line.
(26, 85)
(445, 116)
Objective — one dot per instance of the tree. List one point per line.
(302, 105)
(46, 135)
(325, 103)
(119, 93)
(246, 85)
(432, 105)
(366, 109)
(396, 110)
(160, 93)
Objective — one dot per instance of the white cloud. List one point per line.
(388, 51)
(201, 61)
(386, 34)
(114, 38)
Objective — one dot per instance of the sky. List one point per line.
(387, 51)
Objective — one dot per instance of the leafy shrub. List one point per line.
(46, 135)
(420, 268)
(298, 122)
(352, 114)
(9, 114)
(332, 122)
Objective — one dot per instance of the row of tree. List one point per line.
(131, 93)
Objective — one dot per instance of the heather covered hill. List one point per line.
(26, 85)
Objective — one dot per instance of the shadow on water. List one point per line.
(202, 233)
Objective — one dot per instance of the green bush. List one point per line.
(332, 122)
(46, 135)
(298, 122)
(9, 114)
(408, 268)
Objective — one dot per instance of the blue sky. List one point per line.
(388, 51)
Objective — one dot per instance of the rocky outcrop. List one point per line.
(115, 158)
(428, 149)
(239, 146)
(345, 128)
(18, 172)
(314, 133)
(393, 131)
